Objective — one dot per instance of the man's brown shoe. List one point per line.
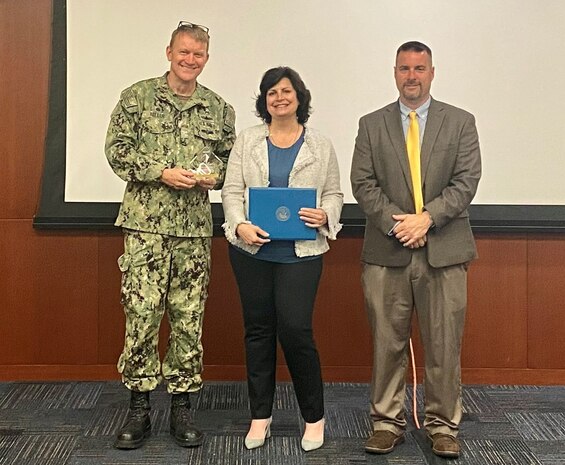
(445, 445)
(382, 442)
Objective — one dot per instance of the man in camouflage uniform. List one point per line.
(157, 128)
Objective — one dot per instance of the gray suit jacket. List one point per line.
(381, 183)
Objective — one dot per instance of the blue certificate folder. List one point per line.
(275, 210)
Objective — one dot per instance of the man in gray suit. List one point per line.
(418, 244)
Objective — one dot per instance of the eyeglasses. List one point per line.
(192, 25)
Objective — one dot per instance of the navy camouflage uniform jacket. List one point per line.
(151, 129)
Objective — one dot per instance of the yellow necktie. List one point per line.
(413, 148)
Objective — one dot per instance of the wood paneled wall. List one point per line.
(60, 316)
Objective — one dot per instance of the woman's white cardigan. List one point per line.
(315, 166)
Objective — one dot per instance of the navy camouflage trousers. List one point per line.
(163, 273)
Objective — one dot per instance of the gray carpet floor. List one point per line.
(74, 423)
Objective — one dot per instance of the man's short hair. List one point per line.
(196, 32)
(414, 46)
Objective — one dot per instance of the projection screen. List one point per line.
(498, 60)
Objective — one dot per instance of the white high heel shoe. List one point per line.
(313, 444)
(253, 443)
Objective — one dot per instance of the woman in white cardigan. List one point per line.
(278, 280)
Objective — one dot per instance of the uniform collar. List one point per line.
(165, 92)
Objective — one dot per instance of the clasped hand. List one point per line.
(412, 229)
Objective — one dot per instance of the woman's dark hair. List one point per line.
(270, 79)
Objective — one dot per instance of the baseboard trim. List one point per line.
(359, 374)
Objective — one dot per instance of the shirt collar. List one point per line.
(421, 111)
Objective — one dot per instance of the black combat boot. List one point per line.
(137, 425)
(185, 434)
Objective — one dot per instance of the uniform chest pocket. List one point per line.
(207, 127)
(211, 133)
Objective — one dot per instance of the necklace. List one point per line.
(283, 140)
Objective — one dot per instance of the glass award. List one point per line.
(205, 165)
